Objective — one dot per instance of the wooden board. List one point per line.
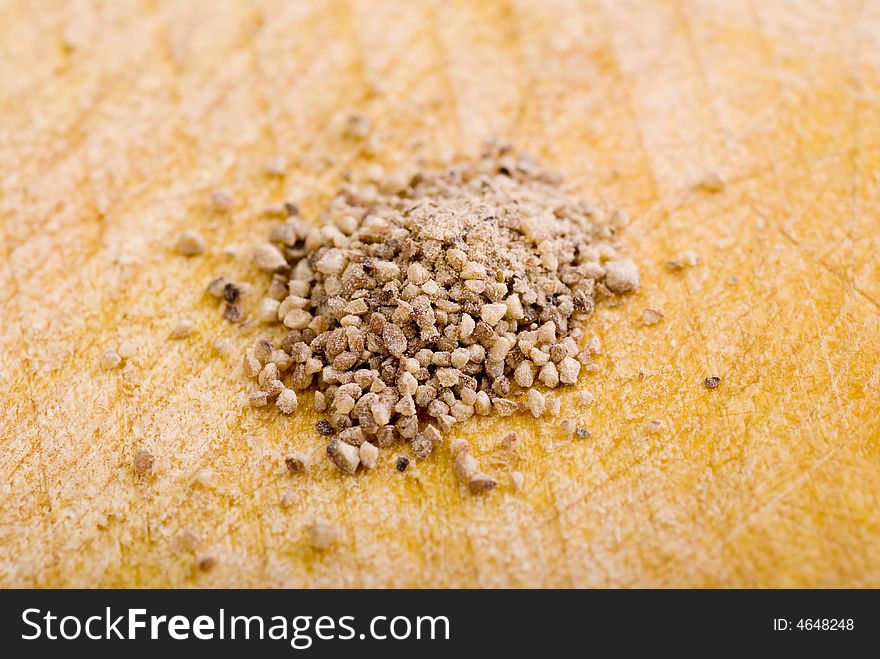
(118, 118)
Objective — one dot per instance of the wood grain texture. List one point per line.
(118, 118)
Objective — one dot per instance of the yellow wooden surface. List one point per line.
(118, 118)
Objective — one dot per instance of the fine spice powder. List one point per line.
(424, 300)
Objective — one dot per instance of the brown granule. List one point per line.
(688, 258)
(268, 258)
(345, 456)
(191, 243)
(250, 365)
(286, 401)
(712, 382)
(651, 316)
(258, 399)
(231, 292)
(464, 465)
(207, 563)
(232, 313)
(143, 461)
(536, 403)
(479, 483)
(182, 330)
(369, 455)
(423, 301)
(216, 286)
(296, 463)
(712, 183)
(621, 276)
(654, 425)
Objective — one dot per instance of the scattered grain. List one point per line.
(274, 389)
(269, 258)
(182, 330)
(621, 276)
(287, 401)
(464, 465)
(651, 316)
(191, 243)
(250, 365)
(217, 286)
(536, 403)
(688, 258)
(569, 368)
(654, 425)
(232, 313)
(268, 310)
(258, 399)
(296, 463)
(712, 183)
(549, 376)
(344, 456)
(369, 455)
(207, 563)
(480, 483)
(506, 407)
(143, 461)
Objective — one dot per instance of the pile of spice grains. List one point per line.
(422, 301)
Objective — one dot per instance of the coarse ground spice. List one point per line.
(422, 301)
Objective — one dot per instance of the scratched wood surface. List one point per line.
(118, 118)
